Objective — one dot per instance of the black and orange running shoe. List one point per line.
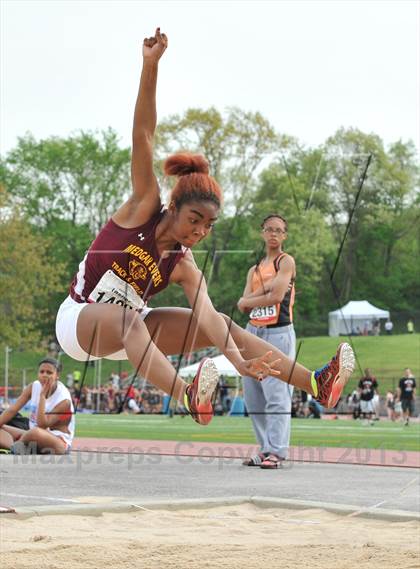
(329, 381)
(198, 394)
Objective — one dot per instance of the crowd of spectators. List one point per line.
(123, 394)
(373, 328)
(365, 402)
(120, 394)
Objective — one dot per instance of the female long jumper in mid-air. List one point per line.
(145, 247)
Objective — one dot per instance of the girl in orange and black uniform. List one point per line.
(268, 297)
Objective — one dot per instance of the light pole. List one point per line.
(6, 376)
(98, 383)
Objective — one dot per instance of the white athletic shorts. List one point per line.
(66, 331)
(132, 405)
(366, 406)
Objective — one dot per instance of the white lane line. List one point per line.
(40, 498)
(145, 509)
(382, 502)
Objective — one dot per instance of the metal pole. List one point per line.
(99, 380)
(6, 377)
(24, 378)
(95, 386)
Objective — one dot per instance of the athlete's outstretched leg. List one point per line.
(180, 333)
(175, 332)
(103, 330)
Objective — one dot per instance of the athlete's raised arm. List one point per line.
(145, 186)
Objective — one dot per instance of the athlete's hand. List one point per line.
(242, 306)
(260, 367)
(47, 386)
(154, 46)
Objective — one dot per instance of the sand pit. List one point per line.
(229, 536)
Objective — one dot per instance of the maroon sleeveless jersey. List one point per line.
(123, 266)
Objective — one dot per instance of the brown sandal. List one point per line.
(272, 461)
(256, 460)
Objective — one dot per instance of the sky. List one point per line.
(308, 67)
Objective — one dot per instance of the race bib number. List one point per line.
(263, 313)
(113, 290)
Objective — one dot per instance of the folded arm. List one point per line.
(60, 416)
(275, 290)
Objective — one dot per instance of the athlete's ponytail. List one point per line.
(194, 182)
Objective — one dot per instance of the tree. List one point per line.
(67, 189)
(61, 191)
(28, 280)
(236, 144)
(385, 213)
(285, 188)
(82, 179)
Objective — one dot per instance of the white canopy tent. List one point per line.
(355, 314)
(224, 367)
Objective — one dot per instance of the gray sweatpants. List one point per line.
(269, 401)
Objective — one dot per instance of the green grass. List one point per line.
(305, 432)
(387, 356)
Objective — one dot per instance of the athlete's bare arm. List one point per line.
(276, 289)
(264, 289)
(247, 290)
(59, 417)
(187, 274)
(11, 411)
(145, 199)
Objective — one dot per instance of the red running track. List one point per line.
(334, 455)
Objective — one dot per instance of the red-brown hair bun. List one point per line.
(194, 182)
(185, 163)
